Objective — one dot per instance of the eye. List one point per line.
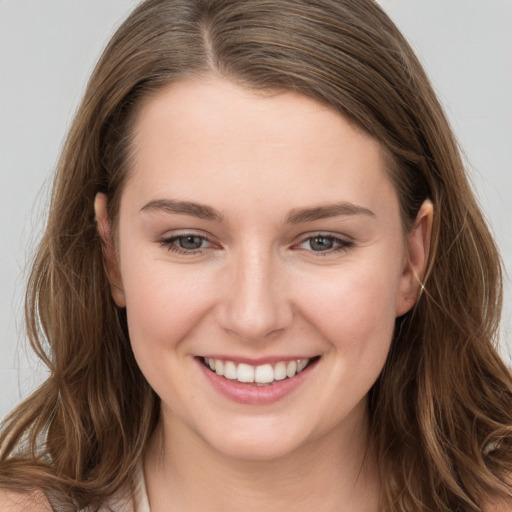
(187, 243)
(321, 243)
(325, 244)
(190, 242)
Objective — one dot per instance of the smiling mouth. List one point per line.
(262, 375)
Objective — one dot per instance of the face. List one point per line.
(259, 234)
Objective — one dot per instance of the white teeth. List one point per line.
(245, 373)
(230, 370)
(291, 368)
(280, 371)
(301, 364)
(219, 367)
(263, 374)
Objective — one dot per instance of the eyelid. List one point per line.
(179, 233)
(327, 234)
(169, 242)
(344, 242)
(341, 242)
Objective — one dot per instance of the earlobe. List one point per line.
(417, 247)
(109, 253)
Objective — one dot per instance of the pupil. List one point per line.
(321, 243)
(190, 242)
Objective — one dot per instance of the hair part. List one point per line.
(441, 410)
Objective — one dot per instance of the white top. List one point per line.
(140, 498)
(138, 502)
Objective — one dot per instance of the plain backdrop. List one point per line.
(48, 49)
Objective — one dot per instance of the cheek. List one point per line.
(164, 308)
(162, 302)
(354, 307)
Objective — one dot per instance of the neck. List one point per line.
(335, 472)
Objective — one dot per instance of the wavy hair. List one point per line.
(441, 411)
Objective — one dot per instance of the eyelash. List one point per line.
(171, 244)
(340, 244)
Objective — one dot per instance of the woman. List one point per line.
(265, 281)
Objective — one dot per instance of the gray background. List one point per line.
(48, 49)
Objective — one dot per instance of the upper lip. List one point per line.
(257, 361)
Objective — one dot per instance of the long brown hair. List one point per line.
(441, 411)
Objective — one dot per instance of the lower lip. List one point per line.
(253, 394)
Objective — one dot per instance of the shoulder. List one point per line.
(12, 501)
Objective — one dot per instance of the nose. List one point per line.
(256, 303)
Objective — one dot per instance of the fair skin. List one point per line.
(259, 229)
(258, 279)
(284, 244)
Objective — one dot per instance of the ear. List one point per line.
(417, 250)
(109, 252)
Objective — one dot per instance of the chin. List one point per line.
(257, 450)
(264, 443)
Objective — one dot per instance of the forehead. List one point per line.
(212, 137)
(220, 108)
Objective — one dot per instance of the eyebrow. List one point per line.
(184, 208)
(326, 211)
(296, 216)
